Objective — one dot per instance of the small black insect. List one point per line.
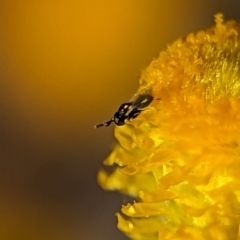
(129, 110)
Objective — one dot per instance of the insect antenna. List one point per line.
(104, 124)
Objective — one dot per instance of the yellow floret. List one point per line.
(180, 159)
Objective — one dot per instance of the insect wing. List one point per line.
(141, 101)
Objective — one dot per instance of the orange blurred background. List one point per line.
(65, 66)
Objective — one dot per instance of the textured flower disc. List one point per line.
(180, 158)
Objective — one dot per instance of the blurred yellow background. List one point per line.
(65, 66)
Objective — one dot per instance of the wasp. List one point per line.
(129, 110)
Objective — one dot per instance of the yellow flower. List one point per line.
(180, 159)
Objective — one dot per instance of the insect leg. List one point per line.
(134, 114)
